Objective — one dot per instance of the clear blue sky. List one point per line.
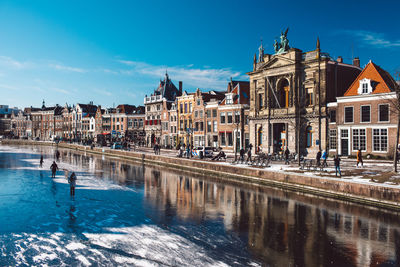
(114, 52)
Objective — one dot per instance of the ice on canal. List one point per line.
(144, 245)
(105, 224)
(128, 214)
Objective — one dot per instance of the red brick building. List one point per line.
(233, 129)
(366, 116)
(205, 120)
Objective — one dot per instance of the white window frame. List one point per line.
(352, 138)
(336, 135)
(364, 87)
(229, 99)
(363, 82)
(344, 115)
(227, 116)
(361, 114)
(222, 114)
(387, 139)
(379, 113)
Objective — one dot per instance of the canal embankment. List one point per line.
(376, 195)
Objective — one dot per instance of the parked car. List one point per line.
(200, 151)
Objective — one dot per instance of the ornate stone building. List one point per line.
(289, 92)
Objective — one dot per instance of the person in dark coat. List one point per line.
(72, 183)
(242, 152)
(319, 158)
(53, 169)
(337, 165)
(188, 151)
(57, 155)
(249, 153)
(155, 148)
(41, 161)
(287, 155)
(359, 158)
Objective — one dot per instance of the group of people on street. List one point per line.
(186, 151)
(337, 160)
(243, 152)
(54, 167)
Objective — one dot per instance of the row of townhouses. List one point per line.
(79, 122)
(305, 101)
(212, 118)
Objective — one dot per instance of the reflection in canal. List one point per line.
(249, 223)
(280, 228)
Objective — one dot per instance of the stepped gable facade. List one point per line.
(155, 104)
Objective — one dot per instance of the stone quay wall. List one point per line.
(380, 196)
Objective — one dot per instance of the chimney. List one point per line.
(180, 87)
(356, 62)
(339, 59)
(230, 86)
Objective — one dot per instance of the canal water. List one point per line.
(127, 214)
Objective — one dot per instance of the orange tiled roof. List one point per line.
(382, 81)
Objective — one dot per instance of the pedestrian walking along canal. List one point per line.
(123, 213)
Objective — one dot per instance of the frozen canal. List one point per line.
(133, 215)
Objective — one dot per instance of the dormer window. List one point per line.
(365, 87)
(229, 99)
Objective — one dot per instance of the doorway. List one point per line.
(278, 137)
(344, 142)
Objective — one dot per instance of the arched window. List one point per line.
(283, 93)
(309, 138)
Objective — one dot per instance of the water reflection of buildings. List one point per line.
(281, 231)
(280, 228)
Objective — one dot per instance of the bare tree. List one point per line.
(299, 124)
(397, 107)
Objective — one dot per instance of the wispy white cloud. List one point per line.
(63, 91)
(103, 92)
(375, 39)
(67, 68)
(207, 78)
(109, 71)
(127, 62)
(8, 87)
(13, 63)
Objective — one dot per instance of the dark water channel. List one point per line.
(127, 214)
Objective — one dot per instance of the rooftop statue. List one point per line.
(261, 53)
(283, 46)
